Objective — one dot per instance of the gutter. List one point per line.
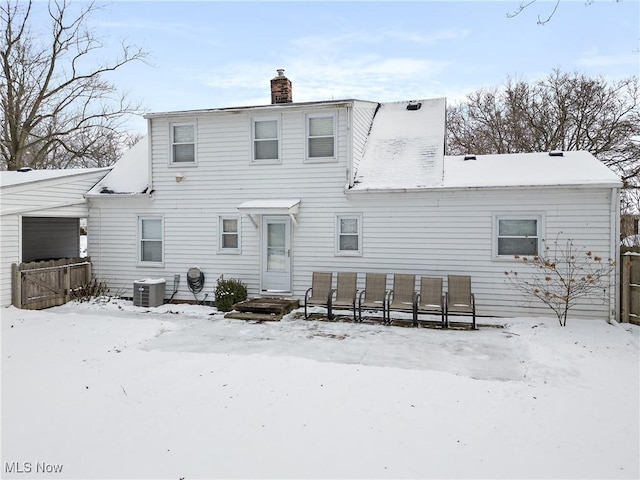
(44, 207)
(441, 188)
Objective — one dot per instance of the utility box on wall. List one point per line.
(149, 292)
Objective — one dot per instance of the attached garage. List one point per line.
(40, 213)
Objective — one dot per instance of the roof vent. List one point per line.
(556, 153)
(25, 169)
(414, 106)
(469, 157)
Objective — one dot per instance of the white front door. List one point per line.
(276, 253)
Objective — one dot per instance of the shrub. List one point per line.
(228, 292)
(563, 275)
(92, 289)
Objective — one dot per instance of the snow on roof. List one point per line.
(405, 151)
(405, 147)
(130, 174)
(527, 169)
(11, 178)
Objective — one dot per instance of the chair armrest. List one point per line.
(306, 295)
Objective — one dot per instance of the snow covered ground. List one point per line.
(109, 390)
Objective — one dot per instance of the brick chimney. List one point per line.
(281, 91)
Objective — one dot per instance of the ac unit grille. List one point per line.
(148, 293)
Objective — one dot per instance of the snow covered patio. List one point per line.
(116, 391)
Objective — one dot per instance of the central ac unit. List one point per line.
(149, 292)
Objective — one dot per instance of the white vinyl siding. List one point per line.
(183, 143)
(266, 140)
(429, 232)
(517, 235)
(349, 235)
(321, 137)
(229, 234)
(151, 240)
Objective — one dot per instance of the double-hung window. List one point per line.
(266, 140)
(321, 136)
(229, 234)
(151, 239)
(517, 235)
(183, 143)
(349, 234)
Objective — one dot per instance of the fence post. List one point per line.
(626, 289)
(16, 286)
(67, 283)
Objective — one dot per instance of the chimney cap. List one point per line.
(280, 72)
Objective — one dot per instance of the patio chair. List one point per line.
(345, 293)
(403, 295)
(374, 295)
(320, 291)
(459, 299)
(430, 299)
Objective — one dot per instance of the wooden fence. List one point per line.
(38, 285)
(630, 286)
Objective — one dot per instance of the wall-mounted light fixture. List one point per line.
(179, 177)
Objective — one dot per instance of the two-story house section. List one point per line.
(269, 194)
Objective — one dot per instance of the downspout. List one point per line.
(150, 158)
(349, 172)
(614, 298)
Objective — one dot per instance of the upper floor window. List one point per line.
(349, 234)
(183, 143)
(151, 239)
(266, 140)
(321, 136)
(517, 235)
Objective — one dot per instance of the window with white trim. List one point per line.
(183, 143)
(349, 234)
(266, 140)
(321, 136)
(150, 233)
(516, 235)
(229, 234)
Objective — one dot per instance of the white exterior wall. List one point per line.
(59, 197)
(222, 179)
(436, 232)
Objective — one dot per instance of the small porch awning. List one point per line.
(271, 206)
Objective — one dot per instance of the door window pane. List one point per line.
(276, 247)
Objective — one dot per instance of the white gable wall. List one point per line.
(223, 179)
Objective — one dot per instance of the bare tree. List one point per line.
(58, 110)
(562, 111)
(563, 275)
(550, 11)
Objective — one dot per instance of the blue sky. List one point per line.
(208, 54)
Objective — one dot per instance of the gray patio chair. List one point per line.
(320, 291)
(430, 299)
(374, 295)
(345, 293)
(459, 298)
(403, 295)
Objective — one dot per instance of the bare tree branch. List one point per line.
(562, 111)
(57, 108)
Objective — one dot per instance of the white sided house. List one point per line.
(270, 194)
(40, 212)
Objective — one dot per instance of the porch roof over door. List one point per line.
(271, 206)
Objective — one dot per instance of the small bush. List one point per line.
(228, 292)
(88, 291)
